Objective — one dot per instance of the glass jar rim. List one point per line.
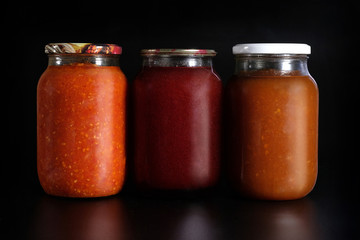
(82, 48)
(178, 52)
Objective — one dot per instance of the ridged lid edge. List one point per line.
(82, 48)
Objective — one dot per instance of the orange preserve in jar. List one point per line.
(272, 122)
(81, 121)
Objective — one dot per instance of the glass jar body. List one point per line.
(177, 112)
(81, 126)
(272, 127)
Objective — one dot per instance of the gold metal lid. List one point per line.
(82, 48)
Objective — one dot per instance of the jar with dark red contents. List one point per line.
(272, 122)
(177, 115)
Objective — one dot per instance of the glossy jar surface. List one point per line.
(81, 123)
(272, 126)
(177, 111)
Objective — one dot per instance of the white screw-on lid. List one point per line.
(272, 48)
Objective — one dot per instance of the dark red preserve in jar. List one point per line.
(177, 111)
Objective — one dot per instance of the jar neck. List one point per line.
(177, 61)
(70, 59)
(277, 64)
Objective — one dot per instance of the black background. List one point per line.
(328, 26)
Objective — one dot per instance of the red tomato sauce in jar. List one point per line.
(81, 129)
(272, 121)
(177, 126)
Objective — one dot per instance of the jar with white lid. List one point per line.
(271, 106)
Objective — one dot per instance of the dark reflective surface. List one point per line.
(174, 219)
(220, 216)
(273, 220)
(58, 218)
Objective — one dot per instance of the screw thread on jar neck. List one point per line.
(283, 64)
(96, 59)
(177, 57)
(176, 61)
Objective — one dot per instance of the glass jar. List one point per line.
(81, 121)
(272, 122)
(177, 110)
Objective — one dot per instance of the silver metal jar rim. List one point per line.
(178, 52)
